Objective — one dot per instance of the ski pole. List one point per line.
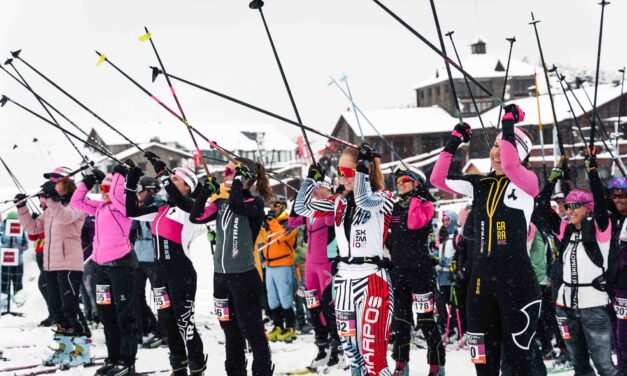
(148, 37)
(560, 144)
(16, 55)
(258, 4)
(256, 108)
(358, 110)
(603, 132)
(19, 187)
(4, 99)
(442, 55)
(350, 95)
(453, 92)
(54, 109)
(541, 128)
(509, 58)
(603, 3)
(472, 96)
(620, 109)
(29, 88)
(554, 69)
(459, 321)
(190, 128)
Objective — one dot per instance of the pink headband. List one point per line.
(582, 197)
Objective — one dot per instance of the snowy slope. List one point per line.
(16, 332)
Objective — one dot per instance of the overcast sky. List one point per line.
(222, 44)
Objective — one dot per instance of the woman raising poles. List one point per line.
(176, 276)
(364, 301)
(237, 287)
(504, 301)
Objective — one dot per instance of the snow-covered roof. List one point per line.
(421, 120)
(481, 66)
(229, 135)
(481, 164)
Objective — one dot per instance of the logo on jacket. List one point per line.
(361, 239)
(531, 311)
(501, 233)
(512, 195)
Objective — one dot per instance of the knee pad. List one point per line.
(524, 328)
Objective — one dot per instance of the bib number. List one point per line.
(346, 323)
(162, 299)
(103, 294)
(311, 298)
(561, 322)
(476, 342)
(621, 308)
(422, 303)
(221, 309)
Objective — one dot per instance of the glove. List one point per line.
(461, 133)
(89, 181)
(120, 169)
(157, 164)
(559, 171)
(133, 176)
(300, 291)
(151, 156)
(211, 186)
(316, 172)
(49, 192)
(591, 161)
(365, 157)
(242, 171)
(20, 197)
(513, 112)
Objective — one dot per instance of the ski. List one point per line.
(306, 371)
(53, 369)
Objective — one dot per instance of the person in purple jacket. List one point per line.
(63, 263)
(504, 300)
(115, 267)
(320, 234)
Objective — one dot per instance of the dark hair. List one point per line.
(260, 178)
(376, 176)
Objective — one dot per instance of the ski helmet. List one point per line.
(413, 173)
(188, 176)
(148, 182)
(618, 183)
(59, 172)
(280, 199)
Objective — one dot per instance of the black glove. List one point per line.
(20, 197)
(212, 186)
(48, 190)
(365, 157)
(133, 176)
(591, 161)
(120, 169)
(99, 175)
(517, 114)
(156, 162)
(316, 172)
(243, 171)
(89, 181)
(461, 133)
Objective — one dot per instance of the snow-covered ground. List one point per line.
(16, 332)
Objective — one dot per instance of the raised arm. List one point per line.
(133, 210)
(368, 200)
(440, 177)
(185, 203)
(64, 214)
(420, 213)
(305, 205)
(81, 202)
(201, 213)
(601, 216)
(31, 225)
(117, 194)
(249, 207)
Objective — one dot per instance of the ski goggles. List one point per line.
(278, 204)
(228, 170)
(105, 188)
(404, 179)
(574, 205)
(346, 172)
(55, 179)
(618, 194)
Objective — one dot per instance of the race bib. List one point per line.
(311, 298)
(103, 294)
(422, 303)
(221, 309)
(561, 322)
(162, 299)
(346, 323)
(620, 306)
(476, 342)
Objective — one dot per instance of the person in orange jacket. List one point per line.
(278, 256)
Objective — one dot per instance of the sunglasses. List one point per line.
(346, 172)
(403, 179)
(619, 195)
(228, 171)
(105, 188)
(55, 179)
(572, 206)
(278, 205)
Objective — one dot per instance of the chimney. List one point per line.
(478, 47)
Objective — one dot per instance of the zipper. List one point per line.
(157, 233)
(94, 250)
(50, 240)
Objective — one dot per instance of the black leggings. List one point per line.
(406, 282)
(63, 289)
(244, 292)
(504, 304)
(146, 321)
(327, 309)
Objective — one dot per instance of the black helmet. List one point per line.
(148, 182)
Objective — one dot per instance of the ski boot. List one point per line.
(197, 368)
(62, 352)
(288, 335)
(47, 322)
(179, 365)
(402, 369)
(106, 367)
(272, 336)
(322, 357)
(152, 342)
(436, 370)
(80, 355)
(337, 351)
(122, 369)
